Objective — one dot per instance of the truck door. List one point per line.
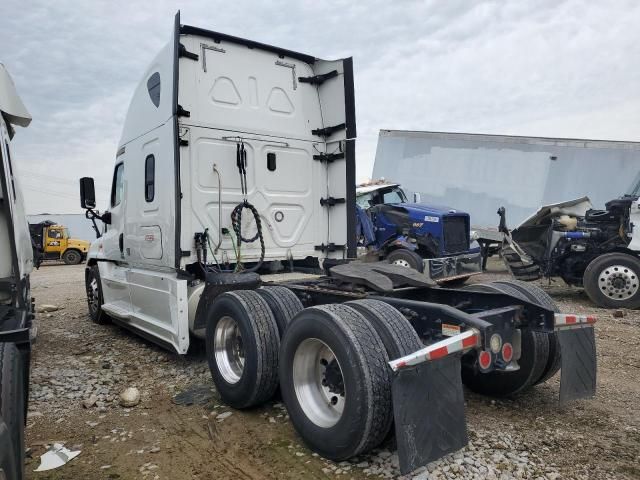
(54, 239)
(117, 301)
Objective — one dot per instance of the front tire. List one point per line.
(335, 381)
(612, 281)
(95, 299)
(406, 258)
(72, 257)
(242, 345)
(12, 412)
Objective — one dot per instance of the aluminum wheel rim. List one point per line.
(402, 263)
(319, 401)
(229, 349)
(93, 295)
(618, 282)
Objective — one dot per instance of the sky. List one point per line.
(541, 68)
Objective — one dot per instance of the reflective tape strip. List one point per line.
(459, 343)
(567, 320)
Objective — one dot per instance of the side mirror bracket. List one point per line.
(88, 202)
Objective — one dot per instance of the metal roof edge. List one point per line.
(485, 137)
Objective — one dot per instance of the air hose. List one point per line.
(236, 214)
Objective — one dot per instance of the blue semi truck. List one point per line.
(431, 239)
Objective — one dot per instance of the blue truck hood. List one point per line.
(433, 210)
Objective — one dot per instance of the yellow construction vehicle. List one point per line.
(52, 242)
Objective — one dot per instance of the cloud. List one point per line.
(552, 68)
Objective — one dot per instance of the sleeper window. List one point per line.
(117, 189)
(149, 178)
(153, 86)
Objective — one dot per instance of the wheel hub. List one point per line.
(332, 377)
(318, 382)
(93, 295)
(228, 349)
(618, 282)
(402, 263)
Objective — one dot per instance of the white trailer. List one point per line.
(220, 125)
(16, 307)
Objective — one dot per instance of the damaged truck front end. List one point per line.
(586, 247)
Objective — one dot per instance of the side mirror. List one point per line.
(416, 198)
(87, 193)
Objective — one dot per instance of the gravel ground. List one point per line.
(79, 370)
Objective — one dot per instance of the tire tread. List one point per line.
(268, 344)
(374, 356)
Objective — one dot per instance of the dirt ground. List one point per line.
(158, 439)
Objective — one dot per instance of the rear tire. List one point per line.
(242, 345)
(95, 300)
(72, 257)
(612, 281)
(283, 303)
(542, 298)
(335, 381)
(12, 412)
(395, 331)
(406, 258)
(533, 359)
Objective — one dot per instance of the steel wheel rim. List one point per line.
(72, 256)
(402, 262)
(93, 295)
(618, 282)
(229, 349)
(321, 401)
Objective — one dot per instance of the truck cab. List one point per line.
(427, 238)
(53, 242)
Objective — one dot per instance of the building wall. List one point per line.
(480, 173)
(79, 226)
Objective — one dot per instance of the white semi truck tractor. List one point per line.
(16, 306)
(237, 160)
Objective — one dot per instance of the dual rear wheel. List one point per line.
(330, 362)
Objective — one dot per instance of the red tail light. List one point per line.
(507, 352)
(484, 359)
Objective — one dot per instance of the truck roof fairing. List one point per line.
(10, 103)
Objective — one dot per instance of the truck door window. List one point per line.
(149, 178)
(393, 196)
(117, 188)
(364, 201)
(56, 234)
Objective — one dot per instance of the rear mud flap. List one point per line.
(578, 375)
(428, 408)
